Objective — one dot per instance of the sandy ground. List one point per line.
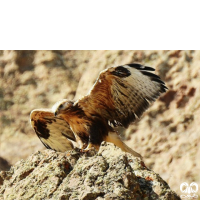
(167, 136)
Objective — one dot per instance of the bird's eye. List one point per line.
(60, 106)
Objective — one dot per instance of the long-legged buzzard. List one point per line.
(118, 97)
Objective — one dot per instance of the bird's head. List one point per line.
(62, 106)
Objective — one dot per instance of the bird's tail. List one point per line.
(113, 137)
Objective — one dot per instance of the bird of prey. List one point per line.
(119, 96)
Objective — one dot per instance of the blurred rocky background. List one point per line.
(167, 136)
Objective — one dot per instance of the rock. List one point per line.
(108, 174)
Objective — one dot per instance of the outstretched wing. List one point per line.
(53, 132)
(121, 94)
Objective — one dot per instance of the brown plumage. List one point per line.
(119, 96)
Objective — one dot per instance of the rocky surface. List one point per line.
(167, 136)
(109, 174)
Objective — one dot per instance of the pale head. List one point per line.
(62, 106)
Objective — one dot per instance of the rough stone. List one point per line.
(107, 174)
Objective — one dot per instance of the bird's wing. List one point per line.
(53, 132)
(121, 94)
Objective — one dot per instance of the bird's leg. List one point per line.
(81, 143)
(97, 129)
